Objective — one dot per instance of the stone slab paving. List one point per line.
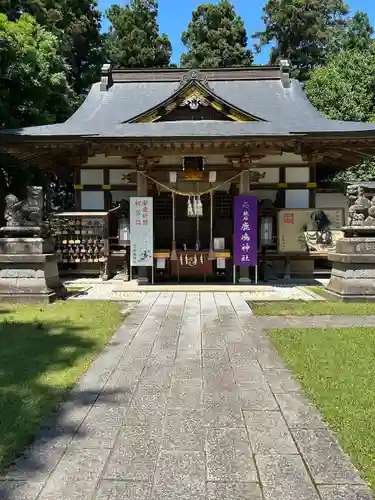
(130, 291)
(282, 293)
(188, 401)
(105, 291)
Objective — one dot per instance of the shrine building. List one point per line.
(192, 141)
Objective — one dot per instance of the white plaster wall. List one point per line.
(296, 198)
(103, 160)
(272, 175)
(92, 200)
(297, 174)
(90, 176)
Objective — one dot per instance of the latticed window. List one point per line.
(163, 206)
(223, 205)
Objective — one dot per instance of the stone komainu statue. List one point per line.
(321, 220)
(27, 212)
(361, 209)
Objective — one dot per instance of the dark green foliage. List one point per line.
(50, 54)
(345, 90)
(356, 34)
(307, 31)
(134, 40)
(34, 85)
(76, 23)
(216, 37)
(34, 90)
(365, 171)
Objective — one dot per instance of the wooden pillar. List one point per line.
(281, 202)
(281, 196)
(77, 188)
(312, 186)
(245, 182)
(107, 189)
(142, 185)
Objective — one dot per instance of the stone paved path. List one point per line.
(189, 401)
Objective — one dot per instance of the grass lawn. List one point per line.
(76, 288)
(336, 368)
(43, 351)
(319, 290)
(312, 308)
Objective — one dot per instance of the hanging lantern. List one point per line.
(212, 176)
(173, 177)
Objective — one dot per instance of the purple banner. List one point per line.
(245, 231)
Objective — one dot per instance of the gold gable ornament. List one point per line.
(194, 101)
(193, 175)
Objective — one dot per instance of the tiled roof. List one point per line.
(284, 109)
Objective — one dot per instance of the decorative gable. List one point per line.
(194, 100)
(194, 106)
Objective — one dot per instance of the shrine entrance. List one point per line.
(193, 237)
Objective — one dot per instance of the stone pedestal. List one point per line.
(28, 268)
(353, 265)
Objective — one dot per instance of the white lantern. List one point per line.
(173, 177)
(212, 176)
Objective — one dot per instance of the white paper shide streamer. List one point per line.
(194, 206)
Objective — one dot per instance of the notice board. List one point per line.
(297, 230)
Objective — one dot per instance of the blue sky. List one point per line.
(173, 20)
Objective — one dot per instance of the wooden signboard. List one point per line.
(297, 231)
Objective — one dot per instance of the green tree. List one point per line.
(76, 23)
(300, 31)
(34, 90)
(216, 37)
(134, 40)
(364, 171)
(34, 86)
(345, 90)
(359, 32)
(82, 43)
(356, 33)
